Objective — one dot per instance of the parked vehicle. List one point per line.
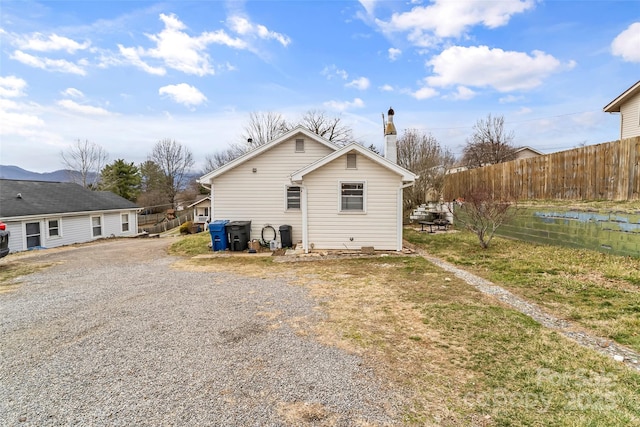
(4, 240)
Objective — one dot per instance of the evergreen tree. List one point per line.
(121, 178)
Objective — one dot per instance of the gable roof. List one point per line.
(199, 201)
(24, 198)
(407, 176)
(614, 106)
(261, 149)
(533, 150)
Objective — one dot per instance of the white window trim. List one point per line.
(286, 199)
(364, 197)
(49, 236)
(296, 145)
(101, 225)
(128, 222)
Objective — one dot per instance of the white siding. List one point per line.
(331, 229)
(243, 195)
(630, 117)
(72, 229)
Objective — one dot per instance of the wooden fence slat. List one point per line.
(608, 171)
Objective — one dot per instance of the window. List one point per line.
(125, 222)
(352, 197)
(351, 161)
(299, 145)
(96, 226)
(32, 232)
(293, 197)
(53, 225)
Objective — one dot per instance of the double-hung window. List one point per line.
(352, 197)
(125, 222)
(96, 226)
(53, 227)
(293, 198)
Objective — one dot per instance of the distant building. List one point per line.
(44, 214)
(628, 105)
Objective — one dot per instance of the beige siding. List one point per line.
(243, 195)
(331, 229)
(630, 117)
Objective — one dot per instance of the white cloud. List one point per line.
(394, 53)
(244, 27)
(83, 109)
(177, 49)
(427, 25)
(131, 54)
(73, 93)
(509, 99)
(41, 43)
(12, 87)
(183, 94)
(480, 66)
(344, 105)
(361, 83)
(59, 65)
(463, 93)
(332, 71)
(627, 43)
(424, 93)
(386, 88)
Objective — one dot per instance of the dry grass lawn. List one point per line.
(454, 356)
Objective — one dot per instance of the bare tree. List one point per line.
(489, 144)
(262, 128)
(85, 160)
(483, 212)
(174, 160)
(221, 158)
(422, 154)
(330, 128)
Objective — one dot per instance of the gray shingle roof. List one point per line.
(43, 198)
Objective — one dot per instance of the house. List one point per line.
(628, 105)
(44, 214)
(521, 153)
(325, 196)
(526, 152)
(201, 210)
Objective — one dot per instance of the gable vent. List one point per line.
(351, 161)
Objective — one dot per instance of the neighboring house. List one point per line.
(526, 152)
(628, 105)
(44, 214)
(521, 153)
(332, 197)
(201, 211)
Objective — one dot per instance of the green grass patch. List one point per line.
(598, 291)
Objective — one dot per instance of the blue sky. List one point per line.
(125, 74)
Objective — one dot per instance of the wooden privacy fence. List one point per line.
(608, 171)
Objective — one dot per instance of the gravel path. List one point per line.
(112, 335)
(566, 328)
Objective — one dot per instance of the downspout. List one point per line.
(305, 219)
(399, 216)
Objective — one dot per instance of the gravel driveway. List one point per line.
(112, 335)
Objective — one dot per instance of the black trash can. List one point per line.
(285, 236)
(239, 234)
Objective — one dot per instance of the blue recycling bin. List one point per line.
(218, 234)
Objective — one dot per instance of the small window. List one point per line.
(53, 225)
(96, 226)
(352, 197)
(299, 145)
(125, 222)
(351, 161)
(293, 197)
